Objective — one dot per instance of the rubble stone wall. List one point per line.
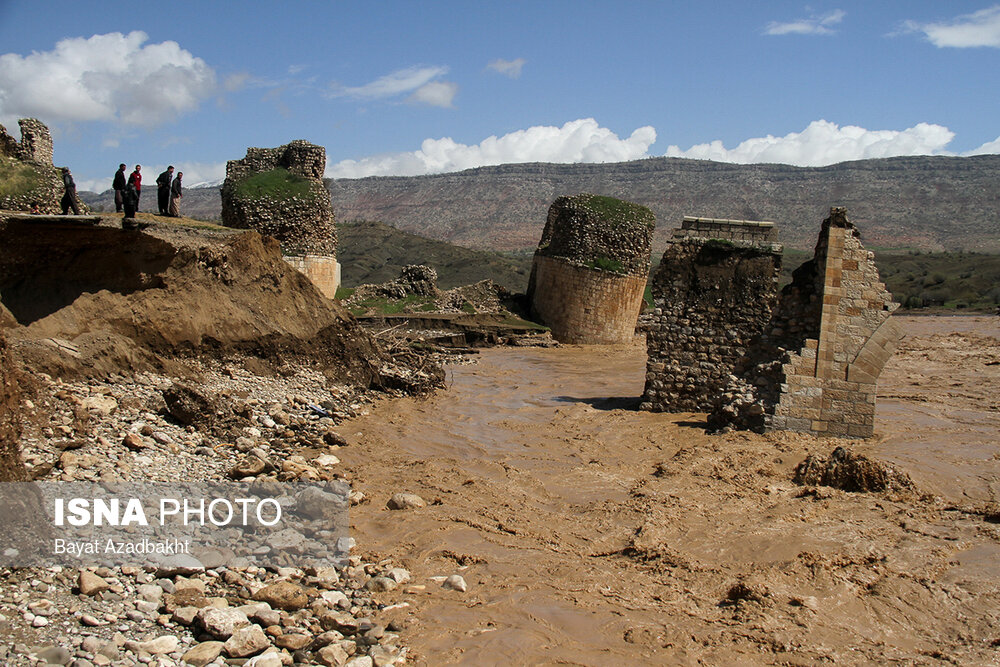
(35, 144)
(302, 222)
(817, 368)
(32, 157)
(589, 271)
(712, 299)
(583, 305)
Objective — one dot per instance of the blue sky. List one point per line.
(423, 87)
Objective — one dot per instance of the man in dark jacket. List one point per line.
(69, 197)
(163, 190)
(118, 185)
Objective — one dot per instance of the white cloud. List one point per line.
(235, 82)
(814, 25)
(980, 28)
(824, 143)
(435, 94)
(989, 148)
(111, 77)
(577, 141)
(397, 83)
(510, 68)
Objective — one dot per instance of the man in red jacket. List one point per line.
(135, 180)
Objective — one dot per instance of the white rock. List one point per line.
(406, 501)
(162, 438)
(455, 582)
(159, 646)
(222, 623)
(325, 460)
(399, 575)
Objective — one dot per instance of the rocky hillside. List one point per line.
(930, 203)
(372, 252)
(927, 203)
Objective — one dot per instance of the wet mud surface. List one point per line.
(593, 534)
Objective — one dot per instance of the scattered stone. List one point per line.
(55, 655)
(399, 575)
(381, 656)
(265, 660)
(162, 437)
(293, 641)
(455, 582)
(246, 642)
(381, 584)
(102, 405)
(222, 623)
(325, 460)
(134, 442)
(332, 656)
(184, 598)
(90, 584)
(283, 595)
(406, 501)
(250, 466)
(203, 653)
(159, 646)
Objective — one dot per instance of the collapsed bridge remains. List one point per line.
(589, 271)
(712, 293)
(722, 341)
(817, 365)
(279, 192)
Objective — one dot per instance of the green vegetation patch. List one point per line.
(386, 306)
(16, 178)
(275, 184)
(949, 280)
(929, 280)
(605, 264)
(615, 212)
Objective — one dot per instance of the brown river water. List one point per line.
(593, 534)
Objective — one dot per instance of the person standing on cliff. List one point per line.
(69, 197)
(135, 180)
(118, 185)
(130, 198)
(163, 190)
(175, 196)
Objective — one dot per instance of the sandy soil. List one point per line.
(593, 534)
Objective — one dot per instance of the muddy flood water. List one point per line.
(593, 534)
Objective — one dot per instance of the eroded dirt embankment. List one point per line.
(593, 534)
(102, 300)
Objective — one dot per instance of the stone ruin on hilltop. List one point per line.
(808, 360)
(279, 192)
(28, 170)
(712, 293)
(589, 271)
